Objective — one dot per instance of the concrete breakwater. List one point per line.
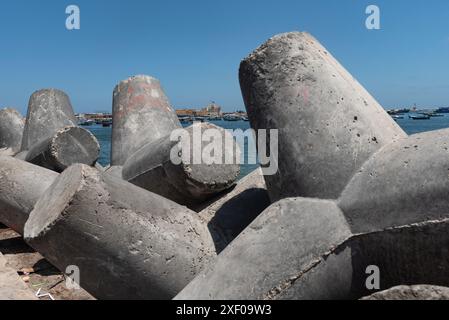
(346, 195)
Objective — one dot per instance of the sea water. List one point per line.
(410, 126)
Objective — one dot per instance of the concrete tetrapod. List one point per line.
(67, 146)
(11, 129)
(141, 114)
(49, 110)
(161, 167)
(418, 292)
(232, 211)
(128, 243)
(329, 125)
(21, 185)
(320, 249)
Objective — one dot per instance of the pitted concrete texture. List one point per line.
(329, 125)
(67, 146)
(11, 286)
(192, 180)
(21, 185)
(141, 114)
(11, 129)
(418, 292)
(389, 205)
(127, 242)
(49, 110)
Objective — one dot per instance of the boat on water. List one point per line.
(231, 117)
(185, 119)
(86, 122)
(442, 110)
(432, 114)
(395, 117)
(106, 123)
(420, 117)
(200, 119)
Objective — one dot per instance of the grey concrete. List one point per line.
(11, 129)
(21, 155)
(394, 214)
(99, 167)
(49, 110)
(127, 242)
(141, 114)
(288, 238)
(6, 152)
(11, 286)
(406, 182)
(329, 125)
(232, 211)
(67, 146)
(304, 249)
(418, 292)
(186, 183)
(21, 185)
(116, 171)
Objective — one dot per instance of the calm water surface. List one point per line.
(408, 125)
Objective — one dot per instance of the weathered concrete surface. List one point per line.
(21, 155)
(11, 129)
(11, 286)
(190, 182)
(393, 218)
(115, 171)
(329, 125)
(406, 182)
(418, 292)
(290, 236)
(231, 212)
(127, 242)
(67, 146)
(141, 114)
(21, 185)
(49, 110)
(305, 249)
(6, 153)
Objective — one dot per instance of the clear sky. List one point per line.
(195, 46)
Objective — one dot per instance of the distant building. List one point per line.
(212, 110)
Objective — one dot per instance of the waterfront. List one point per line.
(410, 126)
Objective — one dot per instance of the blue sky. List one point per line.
(194, 47)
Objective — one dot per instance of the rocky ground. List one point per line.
(34, 272)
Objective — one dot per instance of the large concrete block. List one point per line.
(11, 129)
(329, 125)
(188, 182)
(288, 238)
(304, 249)
(418, 292)
(232, 211)
(394, 215)
(128, 243)
(67, 146)
(406, 182)
(141, 114)
(21, 185)
(49, 110)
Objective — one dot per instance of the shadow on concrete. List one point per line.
(236, 214)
